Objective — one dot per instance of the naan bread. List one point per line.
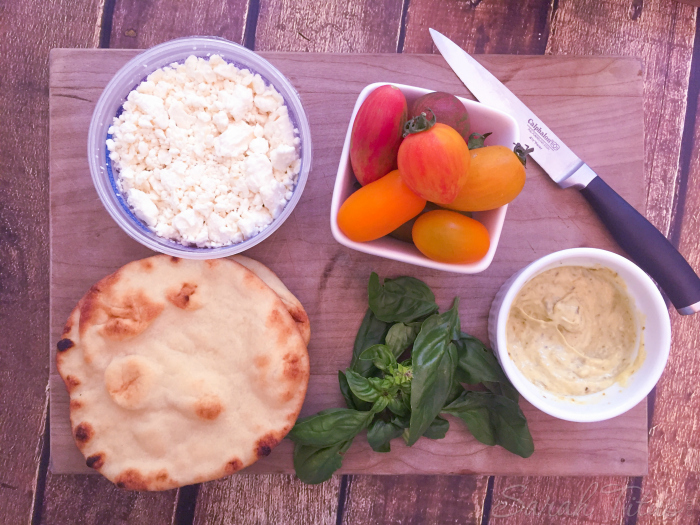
(294, 307)
(180, 372)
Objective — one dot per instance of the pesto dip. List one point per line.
(573, 330)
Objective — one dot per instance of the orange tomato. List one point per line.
(496, 177)
(435, 163)
(377, 209)
(450, 237)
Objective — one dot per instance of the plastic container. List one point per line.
(617, 398)
(483, 119)
(132, 74)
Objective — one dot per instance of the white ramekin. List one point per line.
(483, 119)
(616, 399)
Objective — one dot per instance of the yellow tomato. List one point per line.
(496, 177)
(450, 237)
(377, 209)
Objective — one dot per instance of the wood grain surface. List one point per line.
(414, 499)
(495, 26)
(24, 252)
(137, 24)
(336, 26)
(86, 244)
(671, 492)
(267, 498)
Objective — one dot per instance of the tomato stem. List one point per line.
(476, 140)
(419, 123)
(522, 152)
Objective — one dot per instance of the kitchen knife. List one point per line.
(636, 235)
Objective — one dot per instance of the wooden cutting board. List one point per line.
(594, 104)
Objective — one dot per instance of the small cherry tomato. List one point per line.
(377, 209)
(433, 160)
(496, 177)
(450, 237)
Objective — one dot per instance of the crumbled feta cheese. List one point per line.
(283, 156)
(206, 153)
(144, 208)
(234, 141)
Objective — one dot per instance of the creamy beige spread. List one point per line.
(573, 330)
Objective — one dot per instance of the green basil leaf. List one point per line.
(494, 420)
(503, 389)
(380, 404)
(434, 362)
(455, 392)
(381, 357)
(330, 427)
(372, 331)
(477, 363)
(351, 400)
(380, 433)
(512, 432)
(437, 429)
(398, 406)
(400, 336)
(473, 410)
(400, 300)
(362, 387)
(315, 465)
(345, 390)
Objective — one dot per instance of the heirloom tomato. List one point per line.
(450, 237)
(447, 109)
(376, 133)
(496, 177)
(433, 159)
(379, 208)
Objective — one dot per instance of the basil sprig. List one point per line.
(392, 398)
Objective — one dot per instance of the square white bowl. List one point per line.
(483, 119)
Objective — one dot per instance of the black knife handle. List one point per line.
(646, 246)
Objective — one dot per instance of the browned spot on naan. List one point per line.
(293, 367)
(232, 466)
(95, 461)
(182, 297)
(265, 444)
(71, 383)
(208, 407)
(84, 432)
(64, 344)
(131, 479)
(261, 361)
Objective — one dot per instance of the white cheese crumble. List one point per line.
(206, 153)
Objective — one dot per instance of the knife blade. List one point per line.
(646, 245)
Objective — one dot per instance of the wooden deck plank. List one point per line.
(336, 26)
(407, 500)
(31, 29)
(140, 24)
(494, 26)
(672, 489)
(93, 500)
(269, 498)
(660, 33)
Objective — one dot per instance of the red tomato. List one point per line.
(434, 162)
(450, 237)
(377, 209)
